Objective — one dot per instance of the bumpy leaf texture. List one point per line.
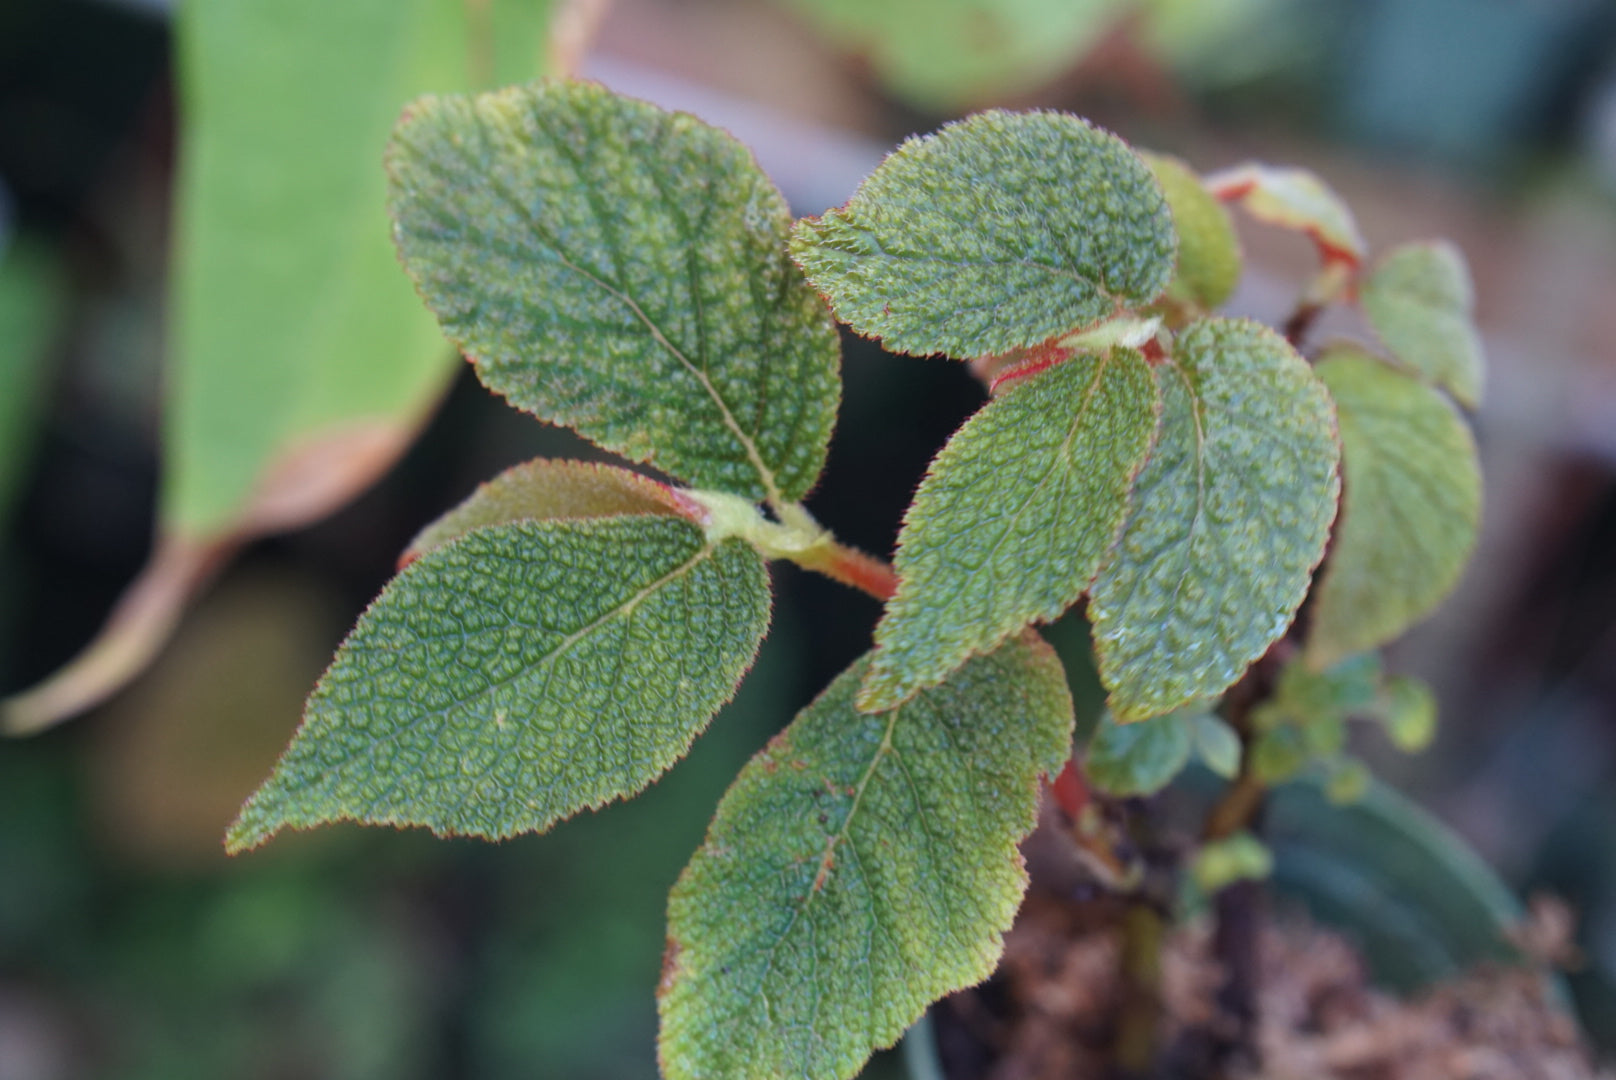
(547, 491)
(1410, 513)
(1419, 300)
(997, 232)
(518, 675)
(1208, 251)
(859, 868)
(622, 270)
(1013, 518)
(1229, 518)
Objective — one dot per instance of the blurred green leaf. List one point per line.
(1139, 758)
(1419, 300)
(1227, 521)
(30, 303)
(1422, 904)
(858, 869)
(621, 269)
(996, 232)
(292, 325)
(1209, 260)
(1408, 710)
(1217, 745)
(518, 675)
(945, 55)
(1221, 863)
(1013, 518)
(1410, 512)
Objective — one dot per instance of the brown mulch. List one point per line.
(1052, 1011)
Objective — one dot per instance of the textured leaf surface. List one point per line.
(291, 318)
(1295, 199)
(1410, 512)
(945, 55)
(859, 868)
(997, 232)
(1139, 758)
(1229, 518)
(545, 491)
(1419, 300)
(1013, 518)
(622, 270)
(519, 675)
(1208, 251)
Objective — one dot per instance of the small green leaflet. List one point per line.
(1013, 518)
(1221, 863)
(1208, 250)
(999, 231)
(622, 270)
(1408, 710)
(1419, 300)
(1217, 745)
(518, 675)
(1143, 757)
(858, 869)
(1411, 509)
(545, 491)
(1229, 518)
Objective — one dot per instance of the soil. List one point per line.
(1053, 1009)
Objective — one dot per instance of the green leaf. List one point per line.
(622, 270)
(1408, 711)
(1346, 780)
(1294, 199)
(518, 675)
(1352, 686)
(946, 55)
(859, 868)
(1419, 300)
(1139, 758)
(1217, 745)
(1208, 251)
(997, 232)
(1229, 518)
(292, 323)
(1410, 513)
(1013, 518)
(1420, 903)
(547, 491)
(1221, 863)
(30, 302)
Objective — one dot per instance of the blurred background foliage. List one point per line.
(131, 947)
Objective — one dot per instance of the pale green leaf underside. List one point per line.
(1140, 758)
(1013, 518)
(1296, 199)
(1410, 512)
(1208, 251)
(518, 675)
(546, 490)
(622, 270)
(1228, 519)
(291, 320)
(1419, 301)
(858, 869)
(945, 55)
(999, 231)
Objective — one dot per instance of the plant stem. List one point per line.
(850, 566)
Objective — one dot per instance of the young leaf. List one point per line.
(1139, 758)
(1408, 711)
(1013, 518)
(1295, 199)
(1217, 745)
(518, 675)
(622, 270)
(997, 232)
(1221, 863)
(1229, 518)
(1410, 513)
(859, 868)
(1419, 300)
(1208, 251)
(547, 491)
